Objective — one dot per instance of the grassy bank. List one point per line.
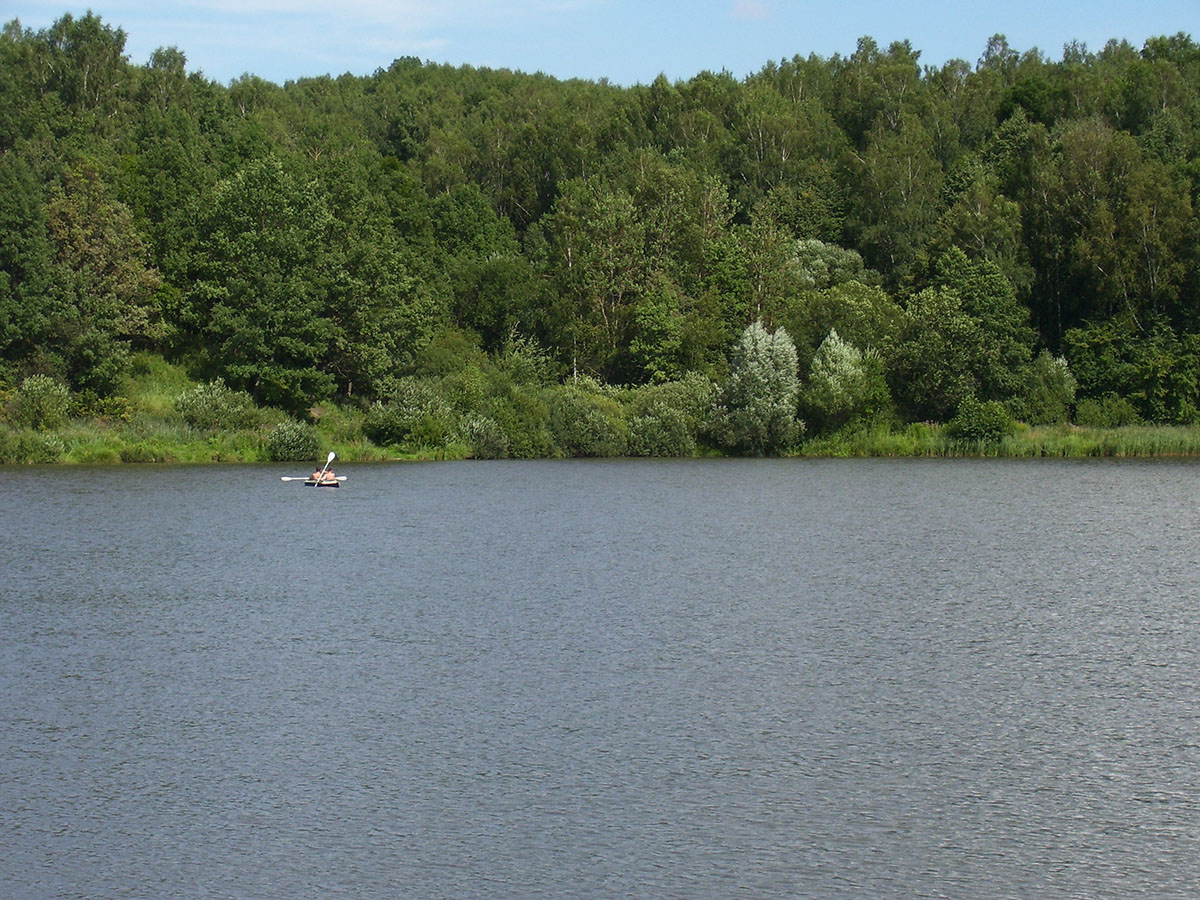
(163, 416)
(144, 439)
(1061, 441)
(149, 422)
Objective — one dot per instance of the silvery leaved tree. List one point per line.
(757, 414)
(843, 384)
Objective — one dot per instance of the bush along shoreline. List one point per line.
(508, 408)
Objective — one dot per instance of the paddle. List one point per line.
(321, 477)
(307, 478)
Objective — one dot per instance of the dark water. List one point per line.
(718, 679)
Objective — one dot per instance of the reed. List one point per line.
(1130, 441)
(1064, 441)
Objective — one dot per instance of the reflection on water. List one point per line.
(734, 679)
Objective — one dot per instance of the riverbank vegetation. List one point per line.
(846, 256)
(162, 416)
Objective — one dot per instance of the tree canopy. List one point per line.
(906, 238)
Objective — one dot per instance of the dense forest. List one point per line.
(533, 266)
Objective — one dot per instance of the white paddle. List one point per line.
(307, 478)
(326, 466)
(320, 477)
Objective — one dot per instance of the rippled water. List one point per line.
(702, 679)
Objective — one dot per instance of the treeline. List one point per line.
(828, 243)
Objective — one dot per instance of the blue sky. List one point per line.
(625, 41)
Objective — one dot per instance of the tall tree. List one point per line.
(260, 293)
(35, 300)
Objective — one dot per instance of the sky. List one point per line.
(626, 42)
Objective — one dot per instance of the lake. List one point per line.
(617, 679)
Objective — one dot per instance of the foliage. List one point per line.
(491, 234)
(1109, 411)
(1048, 394)
(660, 430)
(257, 292)
(215, 406)
(1155, 369)
(821, 266)
(523, 416)
(980, 421)
(484, 436)
(583, 423)
(90, 405)
(41, 403)
(843, 384)
(933, 358)
(417, 413)
(757, 412)
(292, 441)
(28, 446)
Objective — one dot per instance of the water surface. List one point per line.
(677, 679)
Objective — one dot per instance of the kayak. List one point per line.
(311, 483)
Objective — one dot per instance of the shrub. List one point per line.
(758, 409)
(693, 396)
(485, 437)
(525, 361)
(661, 430)
(980, 422)
(42, 403)
(90, 405)
(844, 384)
(1048, 391)
(340, 424)
(28, 446)
(584, 424)
(216, 407)
(522, 414)
(291, 442)
(1109, 411)
(417, 413)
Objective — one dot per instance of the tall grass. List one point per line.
(1043, 441)
(1126, 441)
(153, 384)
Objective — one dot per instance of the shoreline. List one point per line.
(90, 443)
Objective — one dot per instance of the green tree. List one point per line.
(598, 249)
(865, 315)
(986, 225)
(86, 64)
(1154, 368)
(261, 286)
(585, 423)
(988, 298)
(99, 243)
(897, 181)
(1048, 393)
(933, 358)
(657, 333)
(35, 301)
(42, 403)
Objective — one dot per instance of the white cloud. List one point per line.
(750, 9)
